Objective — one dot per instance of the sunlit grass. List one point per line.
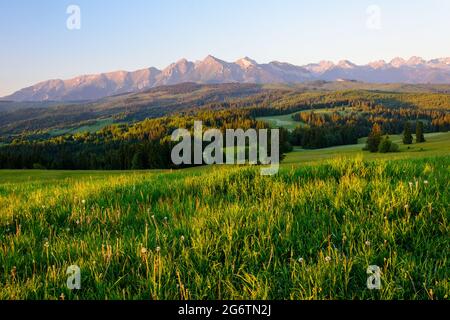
(228, 233)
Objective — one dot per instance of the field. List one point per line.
(97, 126)
(438, 144)
(286, 120)
(228, 233)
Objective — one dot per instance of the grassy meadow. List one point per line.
(309, 232)
(438, 144)
(287, 121)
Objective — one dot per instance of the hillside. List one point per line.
(152, 103)
(190, 97)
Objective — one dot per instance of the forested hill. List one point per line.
(133, 131)
(56, 119)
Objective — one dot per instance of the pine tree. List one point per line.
(419, 132)
(407, 136)
(374, 139)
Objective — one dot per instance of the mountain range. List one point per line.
(212, 70)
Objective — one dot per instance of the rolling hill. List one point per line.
(16, 117)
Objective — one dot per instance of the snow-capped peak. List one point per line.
(246, 62)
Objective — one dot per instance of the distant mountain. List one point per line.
(215, 71)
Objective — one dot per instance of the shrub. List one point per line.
(386, 145)
(394, 147)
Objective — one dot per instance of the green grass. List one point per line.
(228, 233)
(283, 121)
(286, 121)
(97, 126)
(438, 144)
(25, 176)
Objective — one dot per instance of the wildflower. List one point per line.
(426, 182)
(182, 238)
(83, 201)
(406, 207)
(143, 250)
(327, 259)
(301, 260)
(46, 244)
(77, 222)
(158, 249)
(367, 243)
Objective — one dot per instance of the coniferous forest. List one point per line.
(135, 141)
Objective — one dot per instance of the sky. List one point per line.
(37, 45)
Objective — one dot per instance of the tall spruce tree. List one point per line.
(374, 139)
(407, 136)
(419, 132)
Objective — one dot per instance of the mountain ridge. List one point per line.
(212, 70)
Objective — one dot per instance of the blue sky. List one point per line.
(35, 44)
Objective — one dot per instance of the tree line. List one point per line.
(144, 145)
